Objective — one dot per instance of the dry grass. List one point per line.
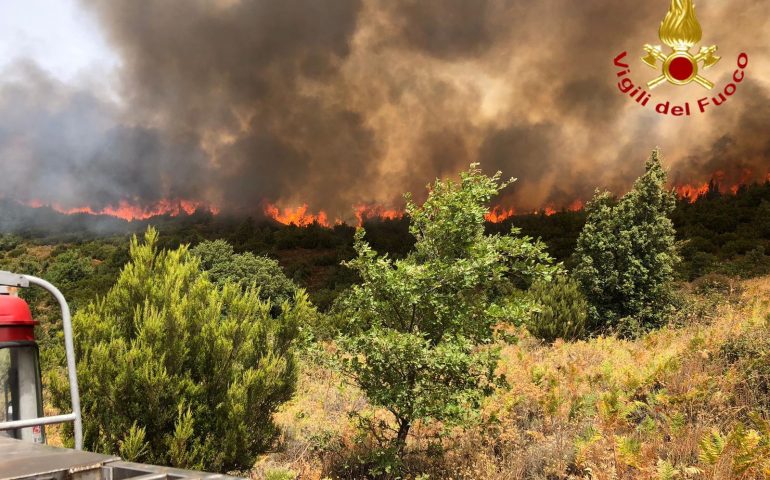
(603, 409)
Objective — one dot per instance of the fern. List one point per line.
(666, 470)
(628, 450)
(584, 443)
(752, 447)
(711, 446)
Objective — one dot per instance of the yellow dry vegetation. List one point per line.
(685, 401)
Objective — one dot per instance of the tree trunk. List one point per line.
(403, 432)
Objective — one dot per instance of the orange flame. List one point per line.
(129, 212)
(372, 212)
(298, 216)
(498, 214)
(691, 192)
(576, 205)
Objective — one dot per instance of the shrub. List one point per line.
(714, 283)
(180, 370)
(750, 352)
(562, 310)
(245, 269)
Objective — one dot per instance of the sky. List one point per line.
(59, 35)
(338, 103)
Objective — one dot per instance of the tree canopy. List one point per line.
(626, 253)
(420, 331)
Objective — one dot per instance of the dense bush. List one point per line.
(177, 370)
(245, 269)
(561, 312)
(626, 254)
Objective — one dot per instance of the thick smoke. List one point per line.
(343, 102)
(66, 147)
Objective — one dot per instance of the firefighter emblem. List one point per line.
(680, 31)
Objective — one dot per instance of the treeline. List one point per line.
(723, 233)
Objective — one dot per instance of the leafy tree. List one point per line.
(179, 370)
(224, 265)
(626, 253)
(420, 331)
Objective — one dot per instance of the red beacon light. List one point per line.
(21, 394)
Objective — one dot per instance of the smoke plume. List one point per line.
(338, 103)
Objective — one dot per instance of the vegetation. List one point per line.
(625, 255)
(176, 370)
(219, 259)
(561, 310)
(684, 398)
(673, 403)
(419, 328)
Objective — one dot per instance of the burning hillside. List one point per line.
(130, 212)
(303, 215)
(225, 104)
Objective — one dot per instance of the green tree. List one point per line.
(183, 371)
(626, 253)
(420, 331)
(245, 269)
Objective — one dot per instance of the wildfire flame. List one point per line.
(302, 216)
(298, 216)
(691, 192)
(369, 212)
(498, 214)
(718, 182)
(129, 212)
(680, 29)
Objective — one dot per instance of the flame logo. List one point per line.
(680, 29)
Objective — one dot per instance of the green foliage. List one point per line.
(750, 352)
(666, 470)
(280, 474)
(245, 269)
(133, 447)
(198, 368)
(711, 445)
(626, 254)
(419, 333)
(561, 311)
(69, 268)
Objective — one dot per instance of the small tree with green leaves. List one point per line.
(421, 330)
(176, 370)
(626, 254)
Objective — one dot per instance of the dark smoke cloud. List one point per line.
(63, 146)
(342, 102)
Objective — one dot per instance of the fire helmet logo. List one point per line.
(680, 31)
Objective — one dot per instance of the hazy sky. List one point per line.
(59, 35)
(336, 103)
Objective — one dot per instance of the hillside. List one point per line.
(676, 403)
